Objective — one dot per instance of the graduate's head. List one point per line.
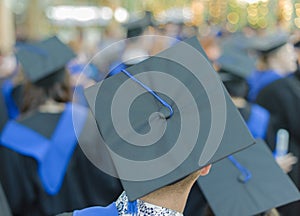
(272, 53)
(43, 64)
(7, 65)
(180, 189)
(297, 48)
(137, 27)
(235, 66)
(211, 47)
(54, 87)
(164, 120)
(184, 184)
(279, 61)
(236, 87)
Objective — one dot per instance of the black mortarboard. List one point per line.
(3, 112)
(249, 183)
(136, 28)
(5, 210)
(297, 44)
(42, 59)
(235, 67)
(237, 41)
(236, 63)
(267, 44)
(166, 117)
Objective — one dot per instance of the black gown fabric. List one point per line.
(196, 202)
(282, 99)
(3, 111)
(4, 208)
(16, 95)
(83, 185)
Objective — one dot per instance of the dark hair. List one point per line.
(237, 87)
(55, 86)
(297, 72)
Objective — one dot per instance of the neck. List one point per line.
(174, 196)
(175, 201)
(51, 106)
(239, 102)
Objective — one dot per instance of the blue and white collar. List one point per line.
(143, 208)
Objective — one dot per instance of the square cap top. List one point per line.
(237, 41)
(236, 62)
(166, 117)
(43, 58)
(266, 186)
(136, 27)
(269, 43)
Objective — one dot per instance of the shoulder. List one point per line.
(110, 210)
(271, 91)
(65, 214)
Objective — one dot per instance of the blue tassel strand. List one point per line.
(246, 174)
(132, 208)
(163, 102)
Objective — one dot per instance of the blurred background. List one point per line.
(87, 22)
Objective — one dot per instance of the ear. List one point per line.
(205, 170)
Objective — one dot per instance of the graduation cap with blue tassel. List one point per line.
(165, 97)
(42, 59)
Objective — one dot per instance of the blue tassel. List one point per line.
(246, 174)
(163, 102)
(132, 208)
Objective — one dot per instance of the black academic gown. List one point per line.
(16, 94)
(4, 208)
(3, 113)
(3, 110)
(83, 184)
(196, 202)
(282, 100)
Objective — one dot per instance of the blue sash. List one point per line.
(110, 210)
(51, 155)
(11, 107)
(258, 121)
(258, 80)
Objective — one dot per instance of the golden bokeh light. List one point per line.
(233, 17)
